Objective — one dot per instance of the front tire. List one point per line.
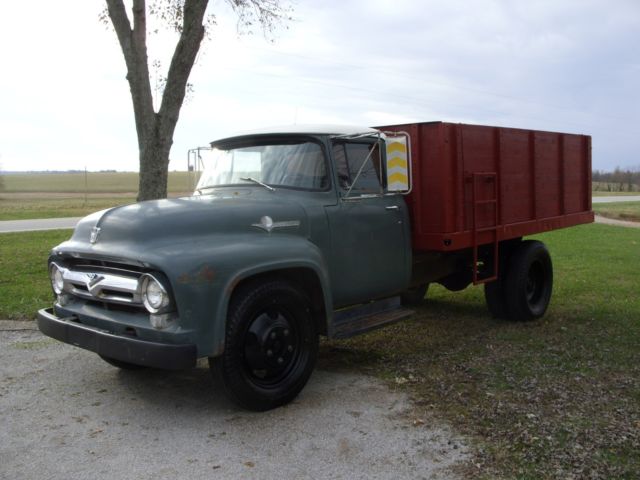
(271, 345)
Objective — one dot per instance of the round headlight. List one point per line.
(154, 295)
(57, 282)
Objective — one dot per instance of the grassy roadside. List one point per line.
(24, 282)
(621, 211)
(555, 398)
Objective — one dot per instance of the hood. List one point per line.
(178, 220)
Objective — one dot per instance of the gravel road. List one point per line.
(65, 414)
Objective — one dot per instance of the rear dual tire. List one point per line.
(525, 282)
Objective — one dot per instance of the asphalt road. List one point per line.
(7, 226)
(65, 414)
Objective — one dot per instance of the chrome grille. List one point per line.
(121, 288)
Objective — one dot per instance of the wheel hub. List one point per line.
(270, 346)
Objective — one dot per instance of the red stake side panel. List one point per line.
(525, 182)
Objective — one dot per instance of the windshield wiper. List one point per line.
(250, 179)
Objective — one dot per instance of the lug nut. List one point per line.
(286, 333)
(269, 353)
(273, 335)
(290, 348)
(280, 360)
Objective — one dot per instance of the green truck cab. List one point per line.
(285, 228)
(314, 230)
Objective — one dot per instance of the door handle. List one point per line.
(392, 207)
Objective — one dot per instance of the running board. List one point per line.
(362, 318)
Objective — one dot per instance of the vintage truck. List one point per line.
(305, 231)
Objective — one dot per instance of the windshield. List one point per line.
(299, 165)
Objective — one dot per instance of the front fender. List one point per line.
(204, 280)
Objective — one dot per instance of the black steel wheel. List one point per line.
(271, 346)
(121, 364)
(529, 281)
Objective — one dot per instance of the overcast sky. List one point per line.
(560, 65)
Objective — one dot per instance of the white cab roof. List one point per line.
(305, 129)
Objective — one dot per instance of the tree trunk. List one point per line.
(155, 130)
(154, 165)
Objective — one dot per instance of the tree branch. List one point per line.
(121, 24)
(134, 48)
(181, 64)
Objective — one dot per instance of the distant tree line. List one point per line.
(617, 181)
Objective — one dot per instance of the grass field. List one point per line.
(96, 182)
(27, 196)
(554, 398)
(621, 211)
(49, 195)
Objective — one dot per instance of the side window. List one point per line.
(351, 158)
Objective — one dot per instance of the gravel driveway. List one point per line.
(66, 414)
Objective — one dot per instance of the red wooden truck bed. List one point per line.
(475, 185)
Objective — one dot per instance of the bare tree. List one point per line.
(189, 18)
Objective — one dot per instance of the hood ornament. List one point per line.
(93, 238)
(267, 224)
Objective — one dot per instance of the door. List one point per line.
(369, 229)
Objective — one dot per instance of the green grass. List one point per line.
(96, 182)
(621, 211)
(24, 282)
(554, 398)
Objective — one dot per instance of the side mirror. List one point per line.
(398, 146)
